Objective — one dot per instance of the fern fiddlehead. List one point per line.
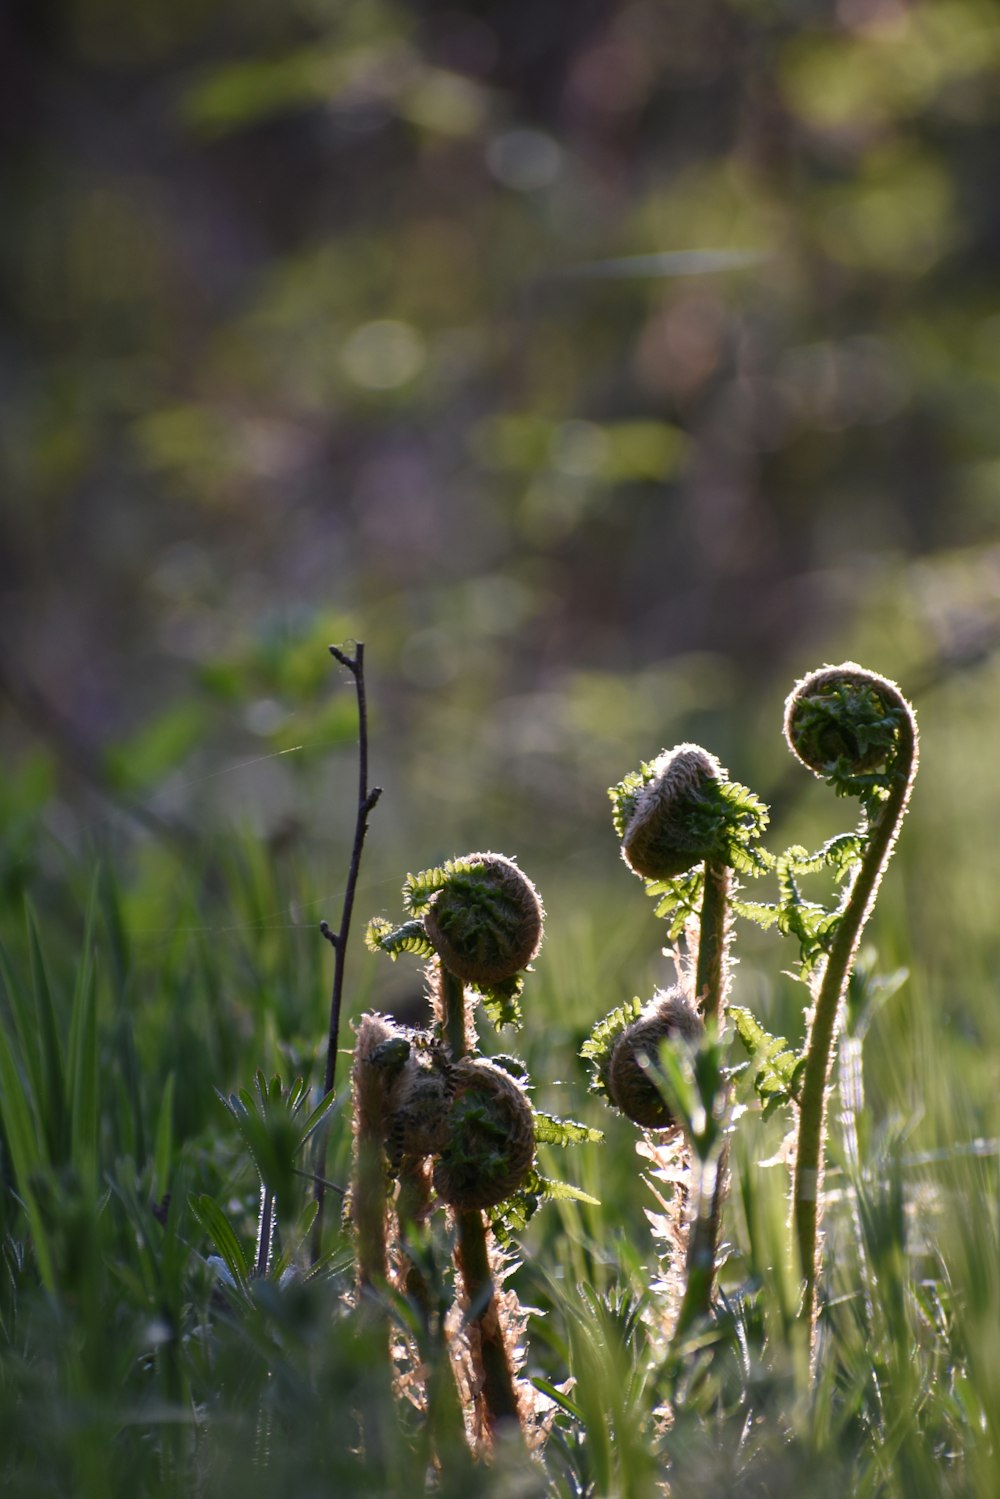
(684, 826)
(480, 919)
(855, 730)
(628, 1067)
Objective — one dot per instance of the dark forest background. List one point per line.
(602, 366)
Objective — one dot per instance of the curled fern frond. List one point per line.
(669, 820)
(845, 724)
(631, 1071)
(483, 917)
(382, 936)
(680, 810)
(854, 729)
(490, 1142)
(778, 1069)
(623, 1051)
(599, 1044)
(550, 1130)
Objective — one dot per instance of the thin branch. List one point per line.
(310, 1176)
(338, 939)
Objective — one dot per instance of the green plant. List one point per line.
(164, 1326)
(857, 732)
(434, 1098)
(274, 1132)
(687, 831)
(684, 829)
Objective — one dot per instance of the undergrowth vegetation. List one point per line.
(743, 1277)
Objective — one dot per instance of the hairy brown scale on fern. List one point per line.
(661, 840)
(628, 1072)
(418, 1104)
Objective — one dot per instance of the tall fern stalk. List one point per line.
(857, 731)
(472, 1250)
(466, 1122)
(684, 827)
(710, 968)
(711, 982)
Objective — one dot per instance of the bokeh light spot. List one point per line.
(384, 355)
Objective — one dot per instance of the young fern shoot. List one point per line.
(480, 921)
(684, 828)
(855, 730)
(665, 833)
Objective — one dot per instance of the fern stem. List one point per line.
(488, 1344)
(808, 1180)
(699, 1281)
(454, 1015)
(370, 1184)
(711, 979)
(445, 1430)
(498, 1390)
(710, 971)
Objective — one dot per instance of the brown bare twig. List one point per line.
(338, 939)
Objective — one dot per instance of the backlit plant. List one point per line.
(404, 1312)
(857, 732)
(685, 829)
(688, 832)
(455, 1128)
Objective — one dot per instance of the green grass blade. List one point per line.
(53, 1103)
(24, 1022)
(164, 1147)
(215, 1223)
(82, 1060)
(558, 1397)
(114, 925)
(316, 1118)
(21, 1127)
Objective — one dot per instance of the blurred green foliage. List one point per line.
(332, 320)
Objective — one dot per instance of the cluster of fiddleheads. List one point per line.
(689, 833)
(441, 1125)
(456, 1128)
(445, 1132)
